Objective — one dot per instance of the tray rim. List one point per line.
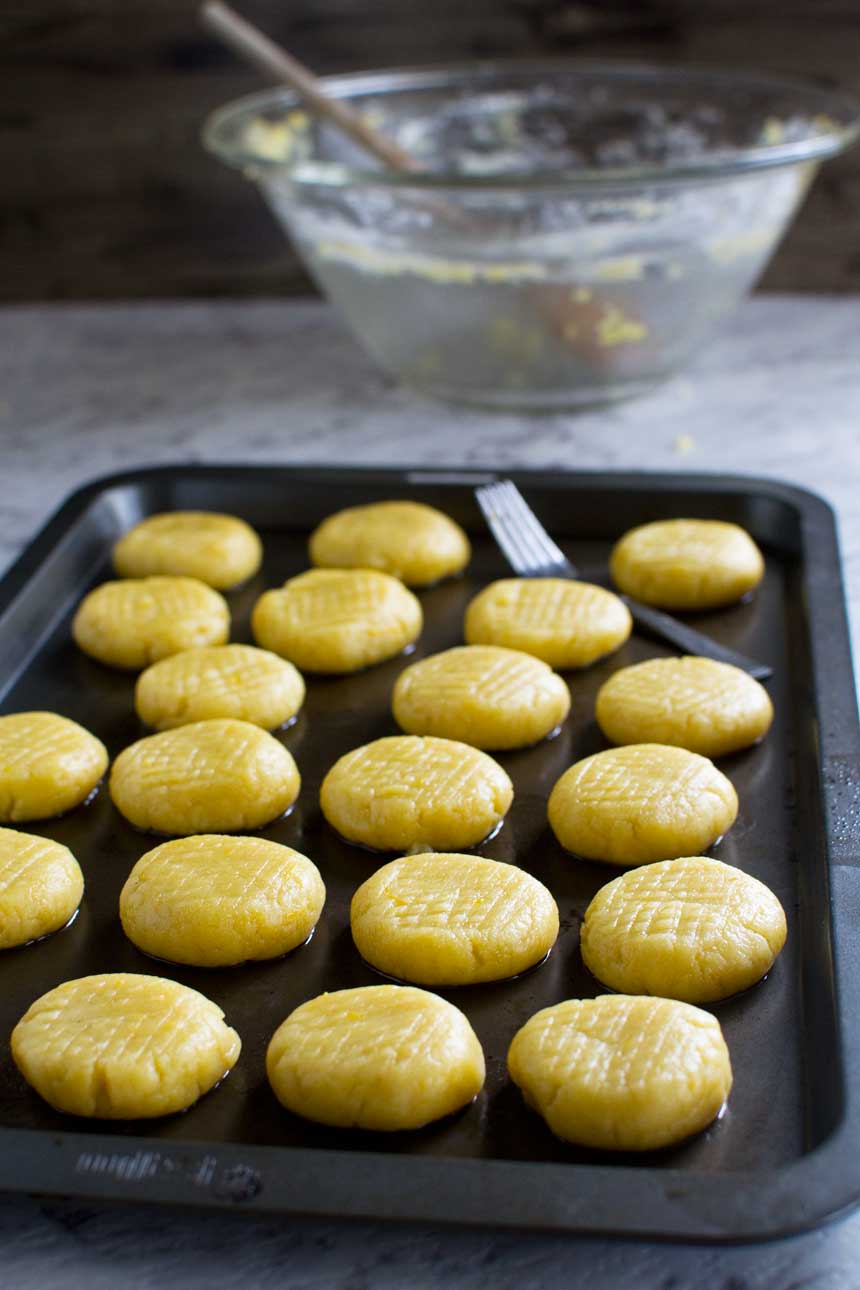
(671, 1204)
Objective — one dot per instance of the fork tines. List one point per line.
(523, 539)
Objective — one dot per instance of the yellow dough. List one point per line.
(41, 885)
(383, 1057)
(409, 540)
(406, 793)
(687, 564)
(123, 1047)
(483, 695)
(691, 929)
(568, 624)
(48, 765)
(337, 620)
(452, 920)
(212, 901)
(710, 708)
(134, 623)
(208, 777)
(622, 1072)
(645, 802)
(220, 550)
(219, 681)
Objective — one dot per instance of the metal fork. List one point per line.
(531, 553)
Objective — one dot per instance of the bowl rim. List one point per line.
(219, 135)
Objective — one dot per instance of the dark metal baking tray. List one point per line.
(784, 1157)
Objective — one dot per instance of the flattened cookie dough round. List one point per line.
(337, 620)
(407, 792)
(448, 920)
(622, 1072)
(136, 622)
(413, 542)
(220, 550)
(641, 803)
(691, 929)
(687, 564)
(41, 886)
(208, 777)
(484, 695)
(48, 765)
(236, 681)
(384, 1057)
(213, 901)
(710, 708)
(123, 1047)
(567, 624)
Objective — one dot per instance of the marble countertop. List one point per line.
(87, 390)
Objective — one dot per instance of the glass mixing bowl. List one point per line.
(575, 231)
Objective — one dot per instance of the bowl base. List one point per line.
(545, 402)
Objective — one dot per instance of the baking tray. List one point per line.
(785, 1155)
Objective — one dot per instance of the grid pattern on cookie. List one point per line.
(133, 604)
(24, 858)
(685, 690)
(204, 755)
(389, 531)
(204, 527)
(496, 678)
(328, 600)
(641, 776)
(221, 550)
(31, 740)
(346, 1031)
(189, 754)
(208, 777)
(220, 672)
(690, 544)
(120, 1020)
(463, 896)
(551, 606)
(424, 771)
(695, 903)
(620, 1044)
(219, 873)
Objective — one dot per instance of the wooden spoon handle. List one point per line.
(273, 61)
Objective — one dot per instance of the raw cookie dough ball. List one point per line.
(212, 901)
(220, 550)
(134, 623)
(452, 920)
(48, 765)
(219, 681)
(123, 1047)
(710, 708)
(383, 1057)
(567, 624)
(482, 694)
(41, 885)
(687, 564)
(337, 620)
(416, 543)
(691, 929)
(641, 803)
(622, 1072)
(209, 777)
(406, 792)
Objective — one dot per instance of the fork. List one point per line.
(531, 553)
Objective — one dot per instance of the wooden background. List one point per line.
(107, 192)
